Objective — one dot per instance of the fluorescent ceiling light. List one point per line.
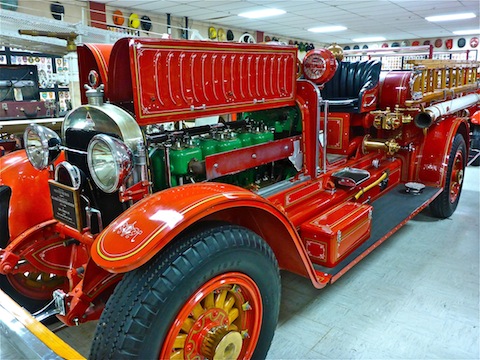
(327, 29)
(467, 32)
(450, 17)
(368, 39)
(258, 14)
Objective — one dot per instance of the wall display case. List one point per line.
(52, 74)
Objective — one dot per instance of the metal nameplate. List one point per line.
(66, 204)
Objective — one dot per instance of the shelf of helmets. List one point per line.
(112, 24)
(399, 58)
(121, 20)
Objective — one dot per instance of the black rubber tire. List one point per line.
(442, 207)
(475, 143)
(139, 313)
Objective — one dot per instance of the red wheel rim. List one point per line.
(456, 179)
(224, 310)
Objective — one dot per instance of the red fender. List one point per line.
(30, 192)
(144, 229)
(432, 168)
(475, 119)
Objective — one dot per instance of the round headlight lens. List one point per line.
(41, 145)
(109, 161)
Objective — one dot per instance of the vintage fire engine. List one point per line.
(196, 170)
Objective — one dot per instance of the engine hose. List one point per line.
(371, 186)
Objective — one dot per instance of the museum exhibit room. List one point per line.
(244, 179)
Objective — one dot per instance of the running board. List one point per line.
(390, 213)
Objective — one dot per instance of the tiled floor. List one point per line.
(415, 297)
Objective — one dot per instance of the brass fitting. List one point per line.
(390, 146)
(390, 120)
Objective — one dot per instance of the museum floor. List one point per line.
(415, 297)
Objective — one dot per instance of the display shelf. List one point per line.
(53, 74)
(398, 58)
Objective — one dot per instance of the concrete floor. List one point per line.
(415, 297)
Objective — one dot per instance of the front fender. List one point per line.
(30, 200)
(433, 165)
(144, 229)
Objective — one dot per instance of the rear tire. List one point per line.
(173, 305)
(446, 203)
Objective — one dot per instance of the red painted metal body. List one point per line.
(432, 167)
(144, 229)
(475, 119)
(94, 57)
(301, 216)
(219, 165)
(369, 100)
(26, 183)
(336, 233)
(200, 79)
(338, 133)
(394, 88)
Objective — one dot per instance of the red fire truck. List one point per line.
(195, 171)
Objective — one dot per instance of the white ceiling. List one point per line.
(394, 20)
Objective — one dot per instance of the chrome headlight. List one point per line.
(41, 145)
(110, 162)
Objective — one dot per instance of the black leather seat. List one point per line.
(354, 87)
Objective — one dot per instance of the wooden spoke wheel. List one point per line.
(456, 179)
(222, 320)
(36, 285)
(213, 293)
(30, 287)
(446, 203)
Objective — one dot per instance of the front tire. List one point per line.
(214, 292)
(446, 203)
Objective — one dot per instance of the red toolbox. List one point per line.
(331, 236)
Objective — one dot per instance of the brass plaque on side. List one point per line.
(66, 204)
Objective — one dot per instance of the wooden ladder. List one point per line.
(441, 79)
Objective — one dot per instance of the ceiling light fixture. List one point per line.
(450, 17)
(369, 39)
(259, 14)
(467, 32)
(327, 29)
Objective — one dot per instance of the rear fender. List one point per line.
(475, 119)
(30, 199)
(433, 164)
(144, 229)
